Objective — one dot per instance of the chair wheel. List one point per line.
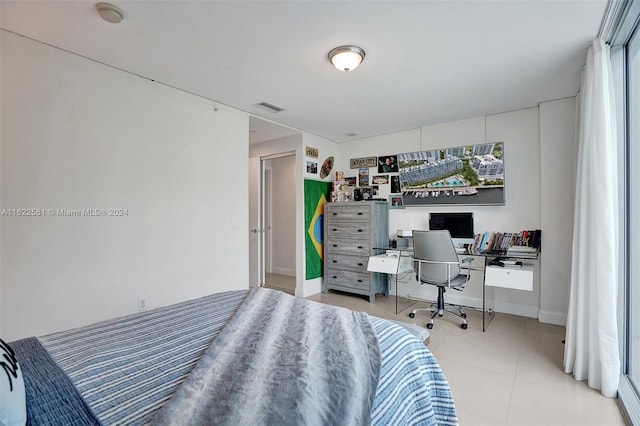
(463, 326)
(463, 315)
(412, 315)
(429, 326)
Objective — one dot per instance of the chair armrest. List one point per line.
(438, 262)
(464, 264)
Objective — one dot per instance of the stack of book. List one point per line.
(522, 251)
(526, 242)
(509, 263)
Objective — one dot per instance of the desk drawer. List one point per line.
(347, 213)
(517, 279)
(348, 230)
(349, 279)
(349, 247)
(348, 263)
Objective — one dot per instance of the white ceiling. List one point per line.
(427, 62)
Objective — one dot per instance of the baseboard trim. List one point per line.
(517, 309)
(310, 287)
(555, 318)
(283, 271)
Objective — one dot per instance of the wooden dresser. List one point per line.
(351, 231)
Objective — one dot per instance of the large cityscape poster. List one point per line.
(472, 174)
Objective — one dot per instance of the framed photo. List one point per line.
(363, 193)
(460, 175)
(381, 179)
(395, 201)
(363, 177)
(366, 193)
(395, 184)
(312, 167)
(341, 196)
(388, 164)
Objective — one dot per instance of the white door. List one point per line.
(266, 219)
(256, 234)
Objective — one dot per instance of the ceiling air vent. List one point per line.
(269, 107)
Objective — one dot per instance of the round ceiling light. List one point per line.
(110, 12)
(346, 58)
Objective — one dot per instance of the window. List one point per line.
(633, 205)
(626, 67)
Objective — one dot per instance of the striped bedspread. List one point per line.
(127, 368)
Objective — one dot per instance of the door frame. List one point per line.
(262, 204)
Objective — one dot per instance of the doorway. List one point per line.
(272, 205)
(279, 222)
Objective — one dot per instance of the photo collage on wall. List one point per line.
(375, 178)
(464, 175)
(311, 162)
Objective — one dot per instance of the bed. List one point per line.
(245, 357)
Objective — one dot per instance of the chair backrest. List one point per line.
(435, 246)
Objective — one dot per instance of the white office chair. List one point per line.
(436, 262)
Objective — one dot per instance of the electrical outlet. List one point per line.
(142, 303)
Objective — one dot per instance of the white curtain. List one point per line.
(591, 351)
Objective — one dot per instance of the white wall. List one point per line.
(326, 148)
(529, 187)
(557, 133)
(76, 134)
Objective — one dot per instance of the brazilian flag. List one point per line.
(316, 194)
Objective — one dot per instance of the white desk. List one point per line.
(396, 261)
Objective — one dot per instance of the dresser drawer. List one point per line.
(347, 213)
(348, 263)
(348, 230)
(518, 279)
(348, 279)
(349, 247)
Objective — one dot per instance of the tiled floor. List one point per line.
(280, 282)
(510, 375)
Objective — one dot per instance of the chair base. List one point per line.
(440, 308)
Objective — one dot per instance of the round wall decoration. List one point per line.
(325, 170)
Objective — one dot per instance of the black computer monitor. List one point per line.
(459, 225)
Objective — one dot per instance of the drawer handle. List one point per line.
(360, 247)
(359, 281)
(360, 230)
(360, 213)
(359, 264)
(334, 214)
(334, 261)
(334, 245)
(335, 278)
(334, 229)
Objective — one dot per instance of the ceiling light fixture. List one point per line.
(346, 58)
(110, 12)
